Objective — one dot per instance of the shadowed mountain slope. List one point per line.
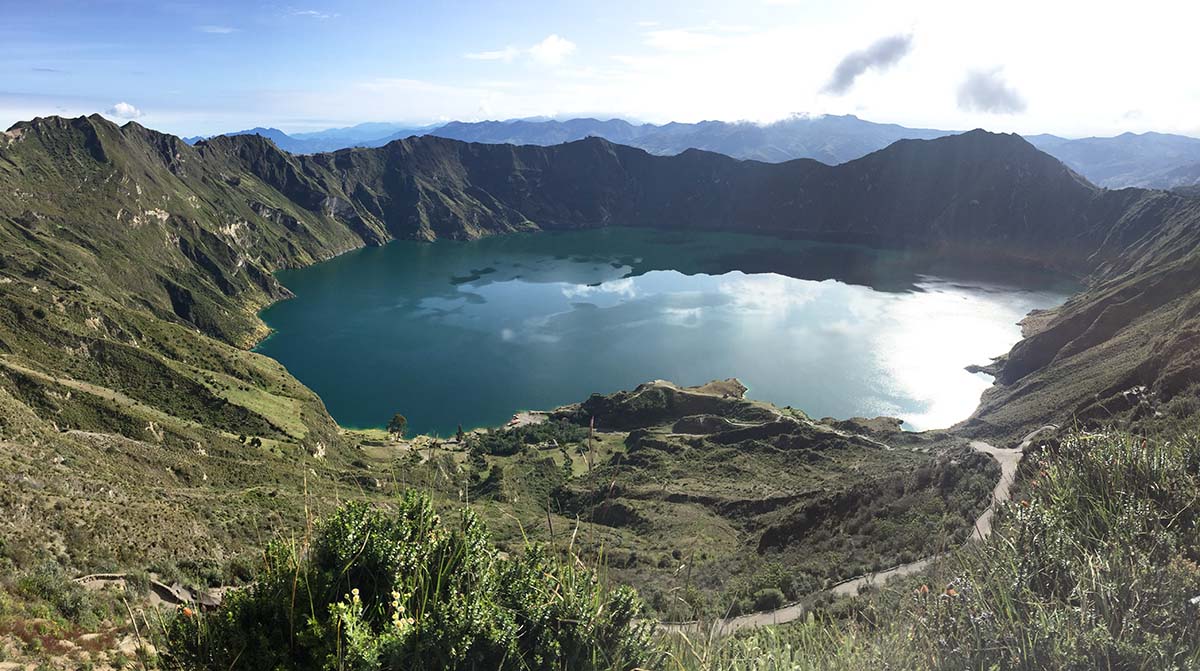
(191, 235)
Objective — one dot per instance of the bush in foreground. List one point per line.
(410, 591)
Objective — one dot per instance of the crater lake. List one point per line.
(471, 332)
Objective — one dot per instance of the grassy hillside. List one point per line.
(137, 430)
(714, 499)
(1095, 567)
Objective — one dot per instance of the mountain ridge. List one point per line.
(973, 194)
(1152, 160)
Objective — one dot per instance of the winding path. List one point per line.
(177, 595)
(160, 593)
(1008, 460)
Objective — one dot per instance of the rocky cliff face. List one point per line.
(979, 191)
(1130, 341)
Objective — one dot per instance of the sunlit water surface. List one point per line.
(467, 333)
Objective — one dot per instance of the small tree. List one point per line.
(478, 462)
(458, 437)
(397, 426)
(568, 465)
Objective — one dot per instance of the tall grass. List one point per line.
(1094, 568)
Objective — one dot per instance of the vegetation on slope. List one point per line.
(1095, 567)
(136, 430)
(134, 264)
(410, 591)
(714, 502)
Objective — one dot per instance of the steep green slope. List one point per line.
(133, 424)
(133, 266)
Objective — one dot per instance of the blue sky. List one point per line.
(1073, 68)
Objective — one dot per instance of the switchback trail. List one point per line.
(177, 595)
(1008, 460)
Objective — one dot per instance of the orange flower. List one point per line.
(923, 589)
(950, 591)
(187, 612)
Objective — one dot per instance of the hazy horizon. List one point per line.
(204, 68)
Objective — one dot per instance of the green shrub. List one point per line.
(409, 591)
(769, 599)
(1185, 405)
(68, 599)
(509, 441)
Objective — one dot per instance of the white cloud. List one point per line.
(123, 110)
(551, 51)
(769, 294)
(772, 72)
(507, 54)
(314, 14)
(710, 36)
(682, 39)
(216, 30)
(986, 91)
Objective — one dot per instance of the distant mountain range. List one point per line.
(331, 139)
(1154, 160)
(1150, 160)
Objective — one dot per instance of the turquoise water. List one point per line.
(467, 333)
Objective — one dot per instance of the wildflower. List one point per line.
(187, 612)
(950, 591)
(923, 589)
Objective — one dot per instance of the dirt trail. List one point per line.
(1008, 460)
(161, 594)
(177, 595)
